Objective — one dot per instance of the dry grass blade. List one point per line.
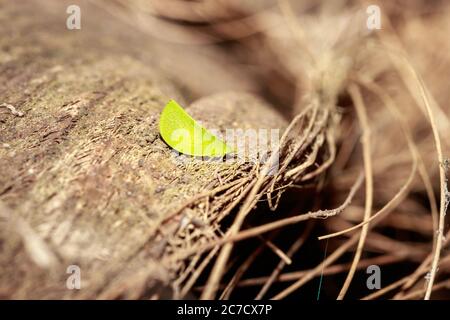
(443, 181)
(367, 154)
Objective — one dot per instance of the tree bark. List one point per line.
(85, 178)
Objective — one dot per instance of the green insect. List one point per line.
(181, 132)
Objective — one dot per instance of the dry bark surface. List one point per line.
(85, 177)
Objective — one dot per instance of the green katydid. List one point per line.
(181, 132)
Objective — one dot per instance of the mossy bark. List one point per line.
(84, 176)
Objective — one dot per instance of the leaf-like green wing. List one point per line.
(185, 135)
